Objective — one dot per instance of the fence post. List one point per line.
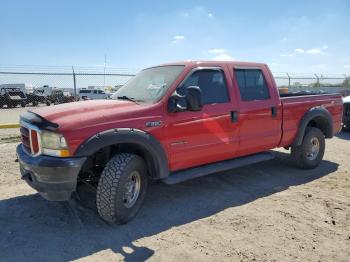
(318, 84)
(288, 80)
(346, 82)
(75, 84)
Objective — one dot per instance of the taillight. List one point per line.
(34, 141)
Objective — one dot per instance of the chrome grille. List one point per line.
(25, 137)
(26, 130)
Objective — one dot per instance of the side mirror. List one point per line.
(194, 98)
(192, 101)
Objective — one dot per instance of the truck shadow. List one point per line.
(32, 228)
(343, 135)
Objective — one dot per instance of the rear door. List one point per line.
(260, 111)
(198, 138)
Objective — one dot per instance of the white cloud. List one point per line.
(312, 51)
(217, 51)
(347, 66)
(287, 55)
(220, 54)
(325, 47)
(223, 57)
(210, 15)
(178, 38)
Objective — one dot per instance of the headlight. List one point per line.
(54, 144)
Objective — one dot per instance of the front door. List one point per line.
(207, 136)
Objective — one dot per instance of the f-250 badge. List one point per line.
(154, 123)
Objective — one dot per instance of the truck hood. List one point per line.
(84, 114)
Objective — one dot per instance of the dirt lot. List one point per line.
(11, 115)
(266, 212)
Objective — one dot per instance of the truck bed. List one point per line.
(295, 105)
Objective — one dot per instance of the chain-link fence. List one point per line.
(28, 88)
(35, 87)
(336, 83)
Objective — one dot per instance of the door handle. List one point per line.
(234, 116)
(273, 111)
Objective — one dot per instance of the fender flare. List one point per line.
(150, 146)
(318, 114)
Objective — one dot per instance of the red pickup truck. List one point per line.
(172, 123)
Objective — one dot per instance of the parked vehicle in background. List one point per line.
(69, 97)
(346, 113)
(45, 90)
(171, 123)
(12, 97)
(92, 94)
(36, 98)
(24, 87)
(59, 96)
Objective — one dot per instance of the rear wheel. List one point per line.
(122, 188)
(310, 153)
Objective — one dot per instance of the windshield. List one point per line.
(149, 85)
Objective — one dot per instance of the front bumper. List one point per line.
(53, 177)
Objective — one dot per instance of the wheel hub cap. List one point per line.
(314, 149)
(132, 189)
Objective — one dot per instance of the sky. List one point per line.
(290, 36)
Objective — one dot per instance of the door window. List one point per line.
(252, 84)
(212, 84)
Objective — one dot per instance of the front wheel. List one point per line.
(122, 188)
(310, 153)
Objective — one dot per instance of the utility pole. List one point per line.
(104, 73)
(75, 84)
(318, 84)
(288, 80)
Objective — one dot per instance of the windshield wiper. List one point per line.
(127, 98)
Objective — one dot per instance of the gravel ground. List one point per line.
(265, 212)
(11, 115)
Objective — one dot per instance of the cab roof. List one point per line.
(215, 63)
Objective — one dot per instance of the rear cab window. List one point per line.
(252, 84)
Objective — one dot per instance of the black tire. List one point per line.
(303, 155)
(110, 197)
(48, 103)
(35, 103)
(23, 104)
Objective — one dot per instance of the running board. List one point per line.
(195, 172)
